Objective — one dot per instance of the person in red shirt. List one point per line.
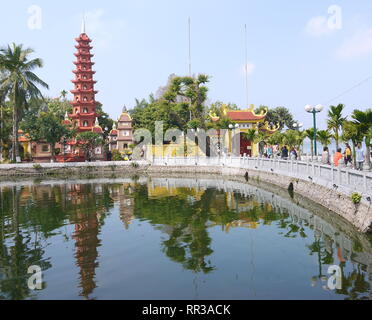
(337, 157)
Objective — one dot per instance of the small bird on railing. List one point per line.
(335, 186)
(369, 199)
(272, 170)
(256, 168)
(311, 178)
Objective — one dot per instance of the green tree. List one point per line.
(276, 138)
(20, 84)
(335, 121)
(47, 127)
(104, 119)
(250, 135)
(279, 115)
(88, 141)
(363, 119)
(324, 137)
(310, 136)
(181, 101)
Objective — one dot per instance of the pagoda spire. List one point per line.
(83, 26)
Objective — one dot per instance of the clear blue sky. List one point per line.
(295, 58)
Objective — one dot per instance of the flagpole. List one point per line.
(246, 64)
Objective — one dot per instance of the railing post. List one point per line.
(365, 181)
(339, 176)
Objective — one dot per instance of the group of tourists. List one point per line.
(346, 157)
(284, 153)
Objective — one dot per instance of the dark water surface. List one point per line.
(169, 238)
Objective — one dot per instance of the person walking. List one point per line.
(337, 157)
(270, 152)
(285, 153)
(326, 156)
(293, 154)
(360, 157)
(348, 155)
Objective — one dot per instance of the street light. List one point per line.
(314, 110)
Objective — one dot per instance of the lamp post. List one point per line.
(314, 110)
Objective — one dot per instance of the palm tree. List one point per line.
(63, 95)
(2, 102)
(324, 137)
(20, 84)
(335, 121)
(310, 135)
(363, 119)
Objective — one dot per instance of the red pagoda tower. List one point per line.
(84, 116)
(84, 103)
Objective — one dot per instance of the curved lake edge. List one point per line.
(360, 216)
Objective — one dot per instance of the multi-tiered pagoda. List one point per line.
(84, 116)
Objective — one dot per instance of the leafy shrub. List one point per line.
(116, 155)
(37, 166)
(356, 198)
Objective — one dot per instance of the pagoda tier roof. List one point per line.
(83, 46)
(76, 63)
(97, 129)
(83, 115)
(125, 117)
(84, 129)
(114, 132)
(84, 80)
(83, 91)
(83, 37)
(84, 71)
(84, 103)
(80, 54)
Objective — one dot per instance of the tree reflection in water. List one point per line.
(33, 216)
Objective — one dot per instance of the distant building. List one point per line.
(121, 137)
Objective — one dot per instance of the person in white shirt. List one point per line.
(360, 157)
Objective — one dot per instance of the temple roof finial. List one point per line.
(97, 123)
(66, 116)
(125, 110)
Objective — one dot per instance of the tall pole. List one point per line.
(190, 74)
(190, 47)
(246, 63)
(315, 134)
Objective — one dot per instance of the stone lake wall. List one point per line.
(336, 200)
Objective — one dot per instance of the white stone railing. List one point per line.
(341, 179)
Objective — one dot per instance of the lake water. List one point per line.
(175, 238)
